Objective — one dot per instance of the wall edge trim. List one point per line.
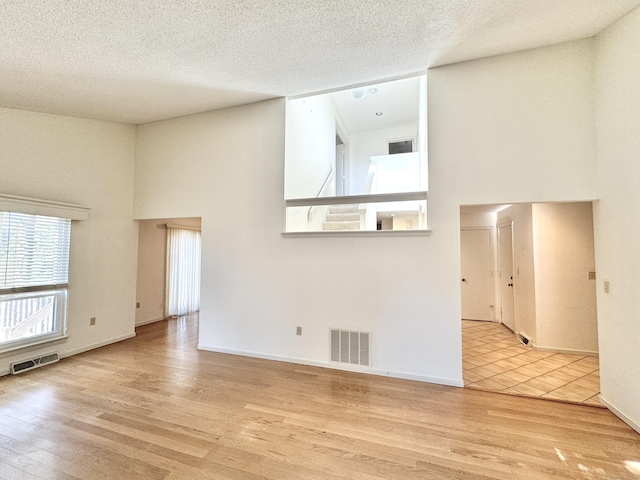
(451, 382)
(93, 346)
(618, 413)
(565, 350)
(147, 322)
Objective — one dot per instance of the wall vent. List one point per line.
(523, 338)
(23, 366)
(351, 347)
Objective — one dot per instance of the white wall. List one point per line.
(617, 230)
(310, 145)
(151, 271)
(90, 163)
(566, 314)
(368, 144)
(516, 128)
(400, 222)
(478, 219)
(258, 286)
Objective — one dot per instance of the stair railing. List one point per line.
(326, 182)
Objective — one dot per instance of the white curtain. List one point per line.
(183, 271)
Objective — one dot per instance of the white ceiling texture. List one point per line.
(138, 62)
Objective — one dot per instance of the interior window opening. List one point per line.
(352, 155)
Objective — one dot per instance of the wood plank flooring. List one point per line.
(154, 407)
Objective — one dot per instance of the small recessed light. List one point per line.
(373, 90)
(378, 114)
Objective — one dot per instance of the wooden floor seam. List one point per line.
(154, 407)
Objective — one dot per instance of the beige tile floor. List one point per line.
(493, 359)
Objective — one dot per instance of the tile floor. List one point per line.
(493, 359)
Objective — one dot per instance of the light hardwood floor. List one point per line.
(154, 407)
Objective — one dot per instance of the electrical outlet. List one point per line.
(137, 304)
(606, 287)
(92, 321)
(298, 330)
(592, 275)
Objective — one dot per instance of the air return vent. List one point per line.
(524, 339)
(351, 347)
(32, 363)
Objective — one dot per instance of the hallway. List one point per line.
(494, 360)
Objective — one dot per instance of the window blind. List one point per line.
(34, 251)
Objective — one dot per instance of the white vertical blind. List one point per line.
(183, 271)
(34, 251)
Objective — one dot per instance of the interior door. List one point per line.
(342, 168)
(475, 268)
(505, 258)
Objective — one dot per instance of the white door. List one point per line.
(475, 268)
(505, 257)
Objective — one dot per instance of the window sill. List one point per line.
(359, 233)
(31, 345)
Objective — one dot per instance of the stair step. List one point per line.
(343, 209)
(343, 217)
(341, 225)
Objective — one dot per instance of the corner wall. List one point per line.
(617, 229)
(566, 314)
(86, 162)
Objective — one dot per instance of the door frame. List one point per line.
(342, 165)
(507, 222)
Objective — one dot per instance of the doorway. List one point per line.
(543, 341)
(151, 283)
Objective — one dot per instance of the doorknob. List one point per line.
(464, 279)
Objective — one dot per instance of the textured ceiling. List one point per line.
(137, 62)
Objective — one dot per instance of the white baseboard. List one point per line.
(620, 415)
(97, 345)
(334, 366)
(147, 322)
(77, 351)
(564, 350)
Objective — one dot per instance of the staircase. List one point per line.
(342, 217)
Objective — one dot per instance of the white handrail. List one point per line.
(324, 184)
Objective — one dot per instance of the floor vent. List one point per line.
(351, 347)
(524, 339)
(32, 363)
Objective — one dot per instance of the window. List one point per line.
(402, 146)
(183, 270)
(34, 276)
(357, 158)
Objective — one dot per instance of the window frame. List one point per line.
(48, 208)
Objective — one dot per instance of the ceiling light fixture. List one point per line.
(373, 90)
(378, 114)
(359, 93)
